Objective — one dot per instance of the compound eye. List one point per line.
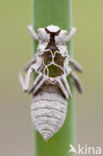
(47, 57)
(59, 59)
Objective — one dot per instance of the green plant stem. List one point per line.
(56, 12)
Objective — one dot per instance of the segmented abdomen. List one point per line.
(48, 110)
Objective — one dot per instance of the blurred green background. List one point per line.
(16, 131)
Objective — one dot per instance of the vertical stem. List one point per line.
(56, 12)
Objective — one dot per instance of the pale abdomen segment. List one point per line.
(48, 110)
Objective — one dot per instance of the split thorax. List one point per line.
(53, 61)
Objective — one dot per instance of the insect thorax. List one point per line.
(53, 61)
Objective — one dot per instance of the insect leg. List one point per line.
(37, 80)
(77, 82)
(21, 80)
(75, 65)
(64, 90)
(64, 80)
(70, 34)
(32, 32)
(30, 63)
(25, 85)
(33, 66)
(37, 87)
